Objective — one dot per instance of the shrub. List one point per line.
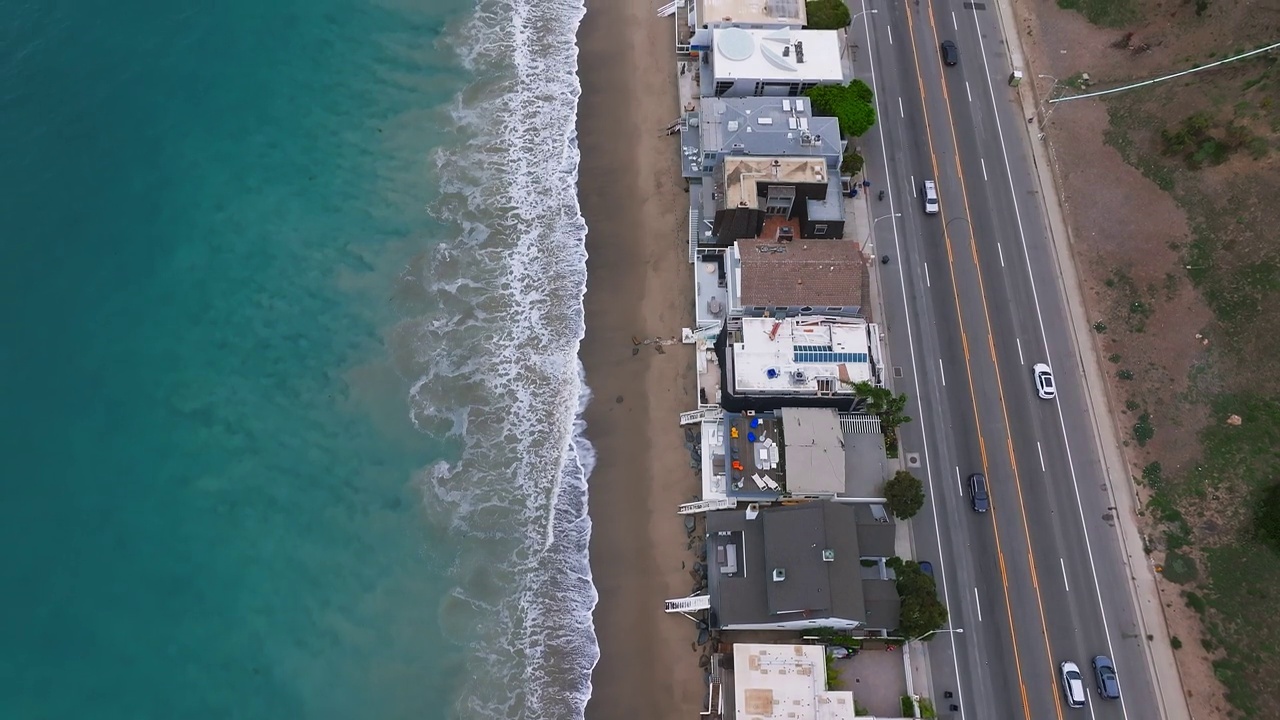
(849, 104)
(827, 14)
(851, 163)
(1175, 643)
(1143, 430)
(1195, 602)
(1179, 568)
(904, 495)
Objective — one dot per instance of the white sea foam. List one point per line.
(498, 368)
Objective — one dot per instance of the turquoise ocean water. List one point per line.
(288, 366)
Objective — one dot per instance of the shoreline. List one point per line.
(639, 285)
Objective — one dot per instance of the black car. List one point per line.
(1105, 673)
(978, 493)
(950, 53)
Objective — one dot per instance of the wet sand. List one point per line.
(639, 285)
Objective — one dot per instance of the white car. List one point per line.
(929, 192)
(1044, 382)
(1072, 684)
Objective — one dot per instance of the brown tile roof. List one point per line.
(817, 273)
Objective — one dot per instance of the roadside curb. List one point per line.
(1143, 584)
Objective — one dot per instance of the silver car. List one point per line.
(1072, 684)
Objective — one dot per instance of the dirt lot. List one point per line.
(1170, 191)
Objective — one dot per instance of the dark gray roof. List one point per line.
(865, 468)
(883, 604)
(791, 538)
(875, 538)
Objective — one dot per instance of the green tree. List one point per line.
(921, 612)
(852, 105)
(904, 495)
(827, 14)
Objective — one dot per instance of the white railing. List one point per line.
(688, 604)
(858, 424)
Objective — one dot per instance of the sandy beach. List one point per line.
(639, 285)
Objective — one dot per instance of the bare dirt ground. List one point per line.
(1165, 190)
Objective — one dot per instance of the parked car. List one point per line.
(950, 53)
(1105, 673)
(1045, 387)
(1072, 684)
(978, 493)
(926, 567)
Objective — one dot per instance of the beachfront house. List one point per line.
(809, 277)
(807, 361)
(786, 567)
(793, 454)
(759, 126)
(771, 681)
(750, 14)
(781, 62)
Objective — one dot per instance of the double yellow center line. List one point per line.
(964, 339)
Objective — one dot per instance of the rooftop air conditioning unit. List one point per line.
(828, 555)
(799, 377)
(779, 574)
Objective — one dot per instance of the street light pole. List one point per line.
(867, 244)
(958, 631)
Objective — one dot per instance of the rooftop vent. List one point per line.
(828, 555)
(779, 574)
(799, 52)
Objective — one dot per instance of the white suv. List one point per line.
(1072, 684)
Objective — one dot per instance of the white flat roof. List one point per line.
(785, 681)
(752, 12)
(776, 55)
(791, 355)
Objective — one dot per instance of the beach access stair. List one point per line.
(695, 222)
(688, 604)
(694, 417)
(701, 506)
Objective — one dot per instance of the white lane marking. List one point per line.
(954, 24)
(900, 113)
(926, 276)
(915, 374)
(966, 90)
(1065, 582)
(977, 604)
(1000, 250)
(984, 168)
(1020, 360)
(1035, 297)
(913, 183)
(1041, 452)
(942, 372)
(890, 31)
(958, 483)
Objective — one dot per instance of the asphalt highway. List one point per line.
(973, 298)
